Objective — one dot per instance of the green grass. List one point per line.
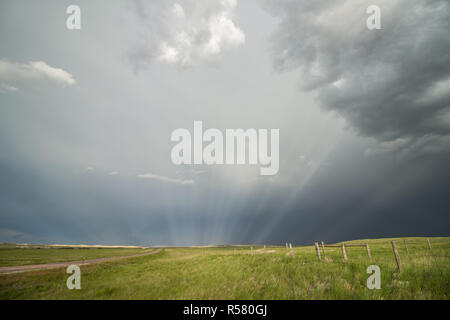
(226, 273)
(12, 256)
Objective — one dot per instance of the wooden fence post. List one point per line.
(264, 248)
(368, 250)
(316, 245)
(429, 244)
(397, 257)
(287, 248)
(323, 249)
(344, 253)
(406, 246)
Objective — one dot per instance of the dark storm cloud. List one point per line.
(392, 85)
(389, 84)
(357, 197)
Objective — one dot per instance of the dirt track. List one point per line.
(4, 270)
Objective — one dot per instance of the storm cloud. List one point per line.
(391, 84)
(86, 118)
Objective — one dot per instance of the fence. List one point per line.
(343, 247)
(380, 247)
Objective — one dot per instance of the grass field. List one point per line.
(234, 273)
(10, 255)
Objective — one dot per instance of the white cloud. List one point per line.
(11, 72)
(7, 88)
(164, 178)
(56, 74)
(113, 173)
(178, 10)
(200, 31)
(89, 169)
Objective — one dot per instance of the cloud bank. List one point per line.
(391, 84)
(185, 35)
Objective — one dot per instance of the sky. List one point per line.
(86, 118)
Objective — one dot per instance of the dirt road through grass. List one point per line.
(4, 270)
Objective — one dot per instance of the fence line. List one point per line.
(366, 245)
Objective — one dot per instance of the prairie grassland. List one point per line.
(234, 273)
(11, 255)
